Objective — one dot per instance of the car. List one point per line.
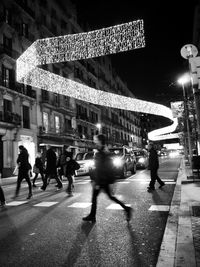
(85, 160)
(142, 158)
(162, 153)
(124, 160)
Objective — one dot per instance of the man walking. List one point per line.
(51, 169)
(101, 180)
(153, 167)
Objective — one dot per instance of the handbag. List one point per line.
(35, 169)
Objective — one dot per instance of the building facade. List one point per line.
(34, 117)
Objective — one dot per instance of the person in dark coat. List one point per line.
(69, 172)
(24, 169)
(51, 169)
(62, 163)
(2, 196)
(101, 179)
(39, 168)
(153, 167)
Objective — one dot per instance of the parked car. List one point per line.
(85, 160)
(142, 158)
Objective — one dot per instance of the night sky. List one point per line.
(151, 72)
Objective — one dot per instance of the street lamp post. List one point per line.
(190, 53)
(183, 80)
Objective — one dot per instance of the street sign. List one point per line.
(188, 51)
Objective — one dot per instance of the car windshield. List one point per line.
(79, 156)
(89, 155)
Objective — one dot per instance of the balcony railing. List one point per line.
(10, 117)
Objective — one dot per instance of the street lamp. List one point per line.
(184, 80)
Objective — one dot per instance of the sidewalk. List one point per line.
(181, 241)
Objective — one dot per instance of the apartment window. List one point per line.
(7, 42)
(45, 116)
(68, 124)
(6, 76)
(7, 104)
(26, 117)
(67, 101)
(25, 30)
(45, 95)
(7, 15)
(57, 124)
(56, 99)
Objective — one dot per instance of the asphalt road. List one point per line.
(48, 230)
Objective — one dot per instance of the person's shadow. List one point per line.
(81, 238)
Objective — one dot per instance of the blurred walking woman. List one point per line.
(24, 167)
(38, 168)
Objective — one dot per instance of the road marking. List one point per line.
(45, 204)
(123, 182)
(85, 182)
(80, 205)
(159, 208)
(116, 207)
(16, 203)
(120, 197)
(146, 182)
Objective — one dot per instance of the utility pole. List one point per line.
(183, 80)
(190, 52)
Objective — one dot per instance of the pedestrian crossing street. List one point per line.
(83, 205)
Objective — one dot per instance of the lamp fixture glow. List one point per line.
(184, 79)
(79, 46)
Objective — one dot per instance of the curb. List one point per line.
(177, 248)
(167, 253)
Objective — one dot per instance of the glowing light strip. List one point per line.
(80, 46)
(160, 134)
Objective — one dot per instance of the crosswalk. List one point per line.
(83, 205)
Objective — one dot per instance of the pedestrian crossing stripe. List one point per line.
(159, 208)
(80, 205)
(84, 182)
(83, 205)
(16, 203)
(116, 206)
(147, 182)
(45, 204)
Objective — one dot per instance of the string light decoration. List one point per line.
(160, 134)
(79, 46)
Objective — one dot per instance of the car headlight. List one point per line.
(141, 160)
(89, 164)
(117, 162)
